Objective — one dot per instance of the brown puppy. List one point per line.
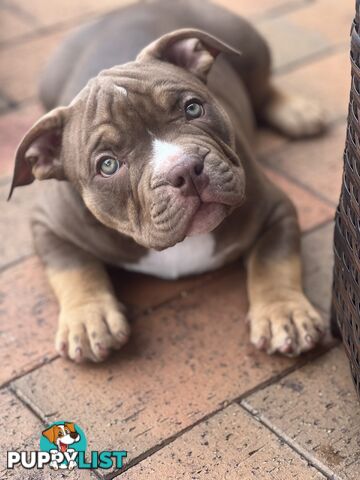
(159, 172)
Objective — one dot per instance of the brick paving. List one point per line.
(188, 397)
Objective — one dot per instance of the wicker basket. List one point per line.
(346, 286)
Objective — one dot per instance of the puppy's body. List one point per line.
(240, 212)
(117, 39)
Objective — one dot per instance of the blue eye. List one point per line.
(193, 109)
(108, 166)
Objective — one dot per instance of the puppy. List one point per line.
(62, 436)
(149, 137)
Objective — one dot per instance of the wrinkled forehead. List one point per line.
(132, 94)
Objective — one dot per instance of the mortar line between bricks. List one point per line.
(8, 383)
(134, 317)
(144, 311)
(73, 22)
(13, 263)
(17, 10)
(325, 52)
(281, 435)
(300, 184)
(330, 125)
(57, 27)
(28, 404)
(263, 159)
(317, 227)
(281, 10)
(226, 403)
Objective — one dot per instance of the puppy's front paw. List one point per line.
(289, 326)
(295, 116)
(92, 330)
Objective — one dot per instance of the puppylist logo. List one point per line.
(63, 446)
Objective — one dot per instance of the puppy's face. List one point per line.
(148, 147)
(62, 435)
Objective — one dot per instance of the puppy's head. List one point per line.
(62, 435)
(146, 144)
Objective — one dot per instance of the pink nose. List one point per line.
(188, 175)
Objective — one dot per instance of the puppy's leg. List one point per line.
(91, 321)
(281, 317)
(292, 115)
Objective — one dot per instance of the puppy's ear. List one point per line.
(191, 49)
(38, 155)
(51, 433)
(70, 426)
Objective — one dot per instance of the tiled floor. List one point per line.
(189, 397)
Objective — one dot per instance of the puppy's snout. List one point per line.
(188, 175)
(74, 435)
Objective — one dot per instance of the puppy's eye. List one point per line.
(60, 434)
(108, 166)
(193, 109)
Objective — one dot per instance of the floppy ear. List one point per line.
(191, 49)
(51, 433)
(38, 155)
(70, 426)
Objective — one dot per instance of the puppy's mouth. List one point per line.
(206, 218)
(63, 447)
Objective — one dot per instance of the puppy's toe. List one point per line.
(311, 327)
(106, 332)
(79, 348)
(284, 335)
(292, 326)
(118, 326)
(61, 340)
(91, 331)
(260, 333)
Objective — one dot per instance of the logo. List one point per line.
(63, 446)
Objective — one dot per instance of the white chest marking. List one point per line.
(163, 154)
(192, 256)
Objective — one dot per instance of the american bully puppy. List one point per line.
(149, 135)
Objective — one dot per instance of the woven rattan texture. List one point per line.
(346, 289)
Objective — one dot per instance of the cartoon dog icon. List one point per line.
(62, 436)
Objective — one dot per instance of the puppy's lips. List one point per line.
(207, 217)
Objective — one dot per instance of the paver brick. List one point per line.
(326, 81)
(305, 32)
(317, 163)
(183, 362)
(283, 36)
(311, 210)
(317, 410)
(12, 26)
(24, 63)
(21, 426)
(330, 18)
(260, 8)
(230, 445)
(29, 310)
(67, 11)
(16, 240)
